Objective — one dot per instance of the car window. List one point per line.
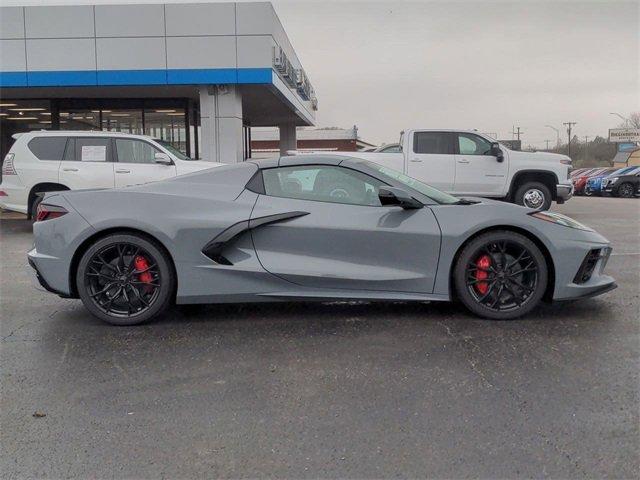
(390, 149)
(135, 151)
(431, 142)
(322, 183)
(92, 149)
(470, 144)
(48, 148)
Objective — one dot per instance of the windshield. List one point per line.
(423, 188)
(174, 151)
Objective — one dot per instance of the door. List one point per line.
(340, 235)
(135, 163)
(87, 163)
(431, 159)
(477, 171)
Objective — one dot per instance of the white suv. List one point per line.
(46, 161)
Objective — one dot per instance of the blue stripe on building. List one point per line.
(137, 77)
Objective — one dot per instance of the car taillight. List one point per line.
(48, 212)
(7, 165)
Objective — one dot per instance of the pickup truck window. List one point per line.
(470, 144)
(431, 143)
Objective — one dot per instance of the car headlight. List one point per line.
(560, 219)
(613, 180)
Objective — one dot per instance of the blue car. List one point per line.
(594, 184)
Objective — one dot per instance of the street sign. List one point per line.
(624, 135)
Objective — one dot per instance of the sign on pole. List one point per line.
(624, 135)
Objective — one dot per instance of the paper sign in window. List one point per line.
(94, 153)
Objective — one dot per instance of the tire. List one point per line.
(34, 208)
(114, 260)
(534, 195)
(516, 294)
(625, 190)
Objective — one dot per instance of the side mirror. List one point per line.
(162, 158)
(392, 196)
(496, 151)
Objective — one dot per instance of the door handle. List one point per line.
(123, 171)
(416, 160)
(69, 169)
(463, 161)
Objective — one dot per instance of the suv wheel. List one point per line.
(534, 195)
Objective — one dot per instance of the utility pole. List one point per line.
(517, 133)
(547, 144)
(569, 127)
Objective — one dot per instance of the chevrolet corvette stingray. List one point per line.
(306, 228)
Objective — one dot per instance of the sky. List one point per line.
(387, 66)
(490, 66)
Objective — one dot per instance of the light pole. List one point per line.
(557, 134)
(626, 120)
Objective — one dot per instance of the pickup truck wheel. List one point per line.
(533, 195)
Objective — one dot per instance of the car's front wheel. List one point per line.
(125, 279)
(500, 275)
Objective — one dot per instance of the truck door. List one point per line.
(477, 171)
(431, 159)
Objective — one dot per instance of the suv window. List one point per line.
(470, 144)
(322, 183)
(88, 149)
(431, 142)
(135, 151)
(48, 148)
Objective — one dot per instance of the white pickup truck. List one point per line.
(470, 163)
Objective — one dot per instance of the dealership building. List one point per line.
(196, 75)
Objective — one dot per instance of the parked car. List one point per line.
(592, 186)
(49, 161)
(470, 163)
(627, 185)
(307, 228)
(577, 172)
(580, 181)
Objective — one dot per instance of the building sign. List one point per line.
(296, 78)
(624, 135)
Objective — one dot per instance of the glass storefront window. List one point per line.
(127, 121)
(167, 124)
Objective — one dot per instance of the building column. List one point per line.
(288, 139)
(221, 123)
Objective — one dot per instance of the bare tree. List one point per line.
(634, 119)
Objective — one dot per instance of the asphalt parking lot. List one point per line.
(331, 390)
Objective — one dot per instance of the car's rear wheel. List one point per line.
(500, 275)
(125, 279)
(534, 195)
(625, 190)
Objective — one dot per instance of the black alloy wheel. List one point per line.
(125, 279)
(501, 275)
(625, 190)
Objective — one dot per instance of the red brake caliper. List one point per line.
(141, 264)
(483, 262)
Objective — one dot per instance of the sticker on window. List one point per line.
(94, 153)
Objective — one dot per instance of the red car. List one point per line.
(580, 180)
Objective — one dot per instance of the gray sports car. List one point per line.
(307, 228)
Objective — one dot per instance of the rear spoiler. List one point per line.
(16, 136)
